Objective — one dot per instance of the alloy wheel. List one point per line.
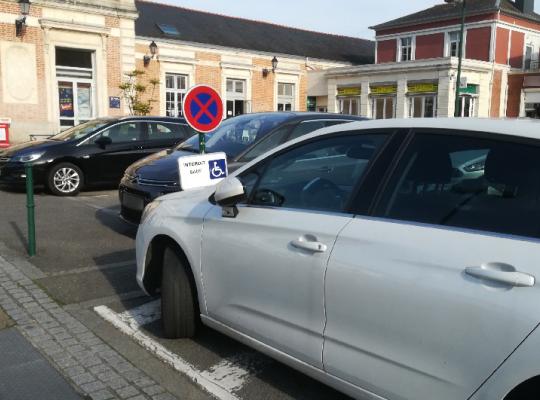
(66, 180)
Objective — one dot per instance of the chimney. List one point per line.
(525, 6)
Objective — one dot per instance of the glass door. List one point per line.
(75, 102)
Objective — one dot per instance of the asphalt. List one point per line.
(86, 258)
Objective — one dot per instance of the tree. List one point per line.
(133, 91)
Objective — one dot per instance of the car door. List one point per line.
(164, 135)
(263, 271)
(106, 164)
(430, 294)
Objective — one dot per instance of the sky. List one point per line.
(342, 17)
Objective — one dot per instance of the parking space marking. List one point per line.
(217, 381)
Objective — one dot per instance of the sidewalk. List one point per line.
(88, 366)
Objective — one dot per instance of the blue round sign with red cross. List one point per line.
(203, 108)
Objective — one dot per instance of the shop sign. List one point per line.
(349, 91)
(114, 102)
(385, 89)
(422, 87)
(470, 89)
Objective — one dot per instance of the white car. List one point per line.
(359, 256)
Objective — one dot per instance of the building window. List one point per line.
(423, 106)
(453, 44)
(467, 105)
(528, 57)
(236, 97)
(384, 107)
(406, 49)
(175, 90)
(532, 110)
(349, 105)
(286, 94)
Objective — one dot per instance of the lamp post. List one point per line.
(21, 21)
(457, 109)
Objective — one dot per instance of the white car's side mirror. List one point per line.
(229, 193)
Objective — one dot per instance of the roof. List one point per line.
(527, 128)
(214, 29)
(451, 11)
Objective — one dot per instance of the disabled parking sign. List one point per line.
(202, 170)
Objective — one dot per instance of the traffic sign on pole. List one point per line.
(203, 110)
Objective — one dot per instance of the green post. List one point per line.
(202, 143)
(30, 206)
(457, 111)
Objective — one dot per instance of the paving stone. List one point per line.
(103, 394)
(91, 365)
(127, 392)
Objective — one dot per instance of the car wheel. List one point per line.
(65, 179)
(178, 300)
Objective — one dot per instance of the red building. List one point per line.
(416, 64)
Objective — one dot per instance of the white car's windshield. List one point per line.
(237, 134)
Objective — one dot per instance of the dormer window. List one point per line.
(453, 44)
(406, 49)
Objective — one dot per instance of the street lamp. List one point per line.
(154, 51)
(20, 22)
(275, 62)
(457, 110)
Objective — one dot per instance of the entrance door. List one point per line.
(75, 86)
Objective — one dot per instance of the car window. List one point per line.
(467, 182)
(164, 131)
(271, 141)
(311, 126)
(319, 175)
(122, 133)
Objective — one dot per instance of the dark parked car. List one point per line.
(242, 138)
(93, 153)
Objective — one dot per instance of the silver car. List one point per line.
(359, 256)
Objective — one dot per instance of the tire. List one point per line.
(65, 179)
(179, 310)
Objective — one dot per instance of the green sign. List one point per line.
(384, 89)
(422, 87)
(470, 89)
(349, 91)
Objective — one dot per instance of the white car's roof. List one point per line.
(516, 127)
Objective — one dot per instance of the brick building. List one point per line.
(415, 71)
(66, 65)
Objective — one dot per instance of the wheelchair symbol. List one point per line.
(217, 169)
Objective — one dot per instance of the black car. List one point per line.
(94, 153)
(242, 138)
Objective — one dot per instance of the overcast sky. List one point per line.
(344, 17)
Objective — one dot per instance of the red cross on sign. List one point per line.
(203, 108)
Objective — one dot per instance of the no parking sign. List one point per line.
(203, 108)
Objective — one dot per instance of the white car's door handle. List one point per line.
(309, 243)
(512, 278)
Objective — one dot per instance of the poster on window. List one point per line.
(83, 102)
(66, 102)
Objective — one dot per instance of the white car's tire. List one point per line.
(179, 311)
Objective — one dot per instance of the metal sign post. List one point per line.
(30, 206)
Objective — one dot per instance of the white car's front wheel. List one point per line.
(179, 311)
